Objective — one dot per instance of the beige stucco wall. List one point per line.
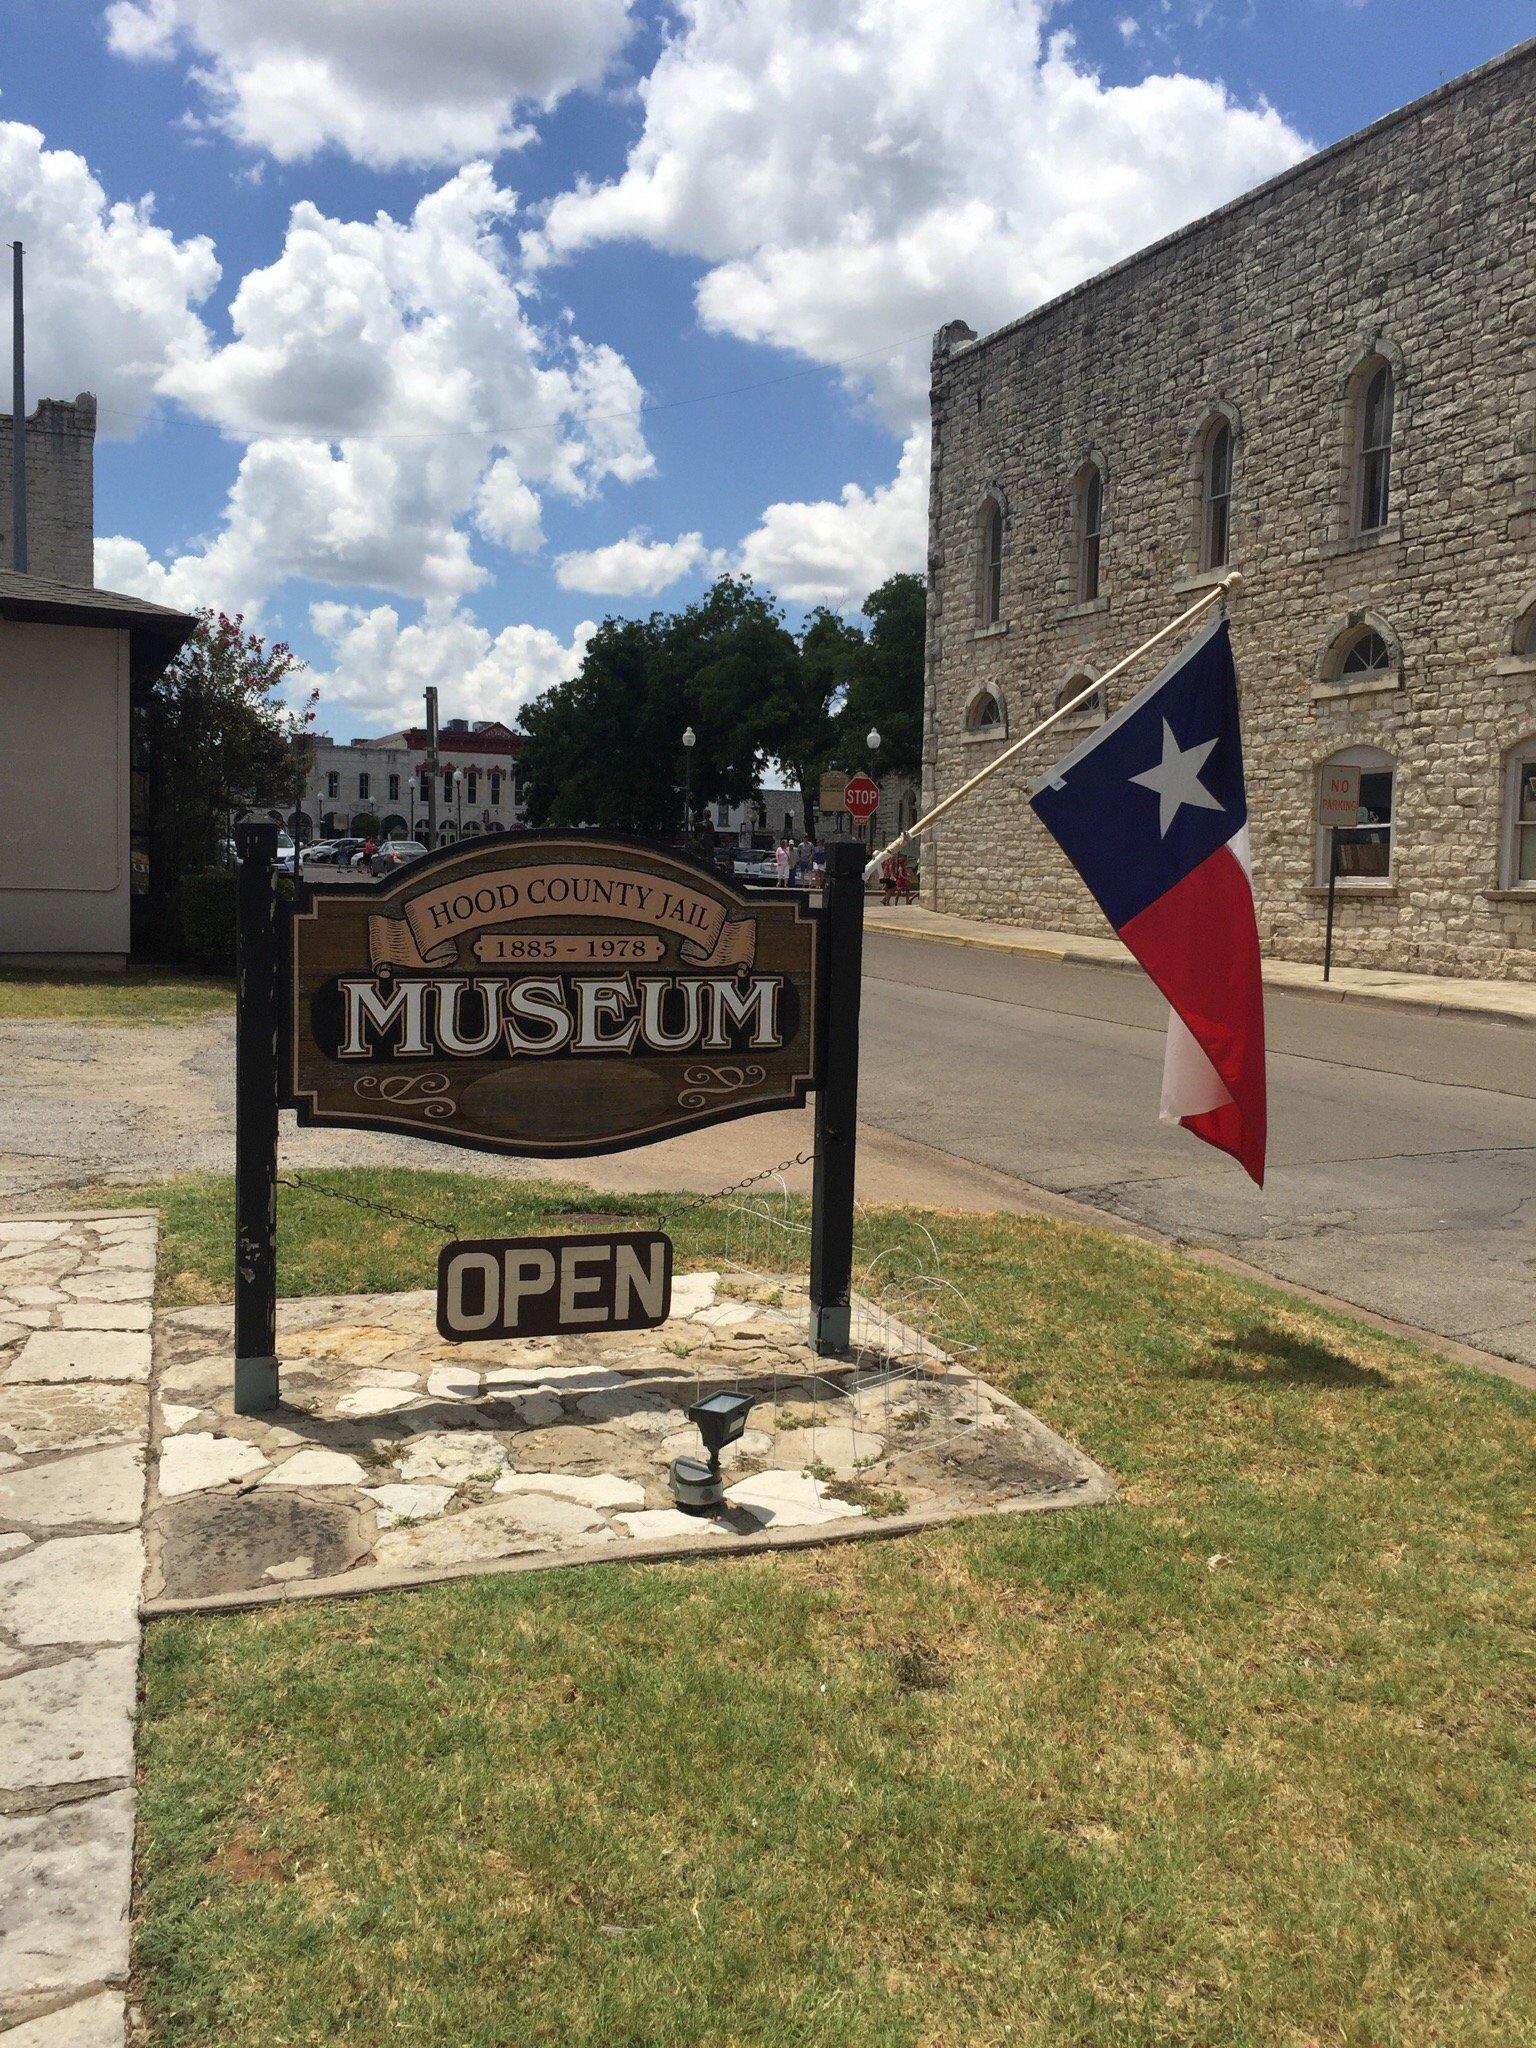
(64, 866)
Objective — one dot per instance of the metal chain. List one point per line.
(737, 1187)
(363, 1202)
(682, 1206)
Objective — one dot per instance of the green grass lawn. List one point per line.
(1242, 1761)
(147, 995)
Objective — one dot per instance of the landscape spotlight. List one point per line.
(720, 1419)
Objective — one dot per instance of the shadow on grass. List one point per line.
(1269, 1358)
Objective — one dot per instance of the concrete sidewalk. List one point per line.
(1511, 1002)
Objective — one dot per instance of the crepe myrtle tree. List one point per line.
(213, 737)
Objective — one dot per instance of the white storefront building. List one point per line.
(381, 788)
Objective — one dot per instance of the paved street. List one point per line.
(1403, 1152)
(1402, 1147)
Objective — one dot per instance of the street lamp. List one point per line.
(458, 800)
(872, 741)
(690, 741)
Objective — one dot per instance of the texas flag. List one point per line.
(1152, 813)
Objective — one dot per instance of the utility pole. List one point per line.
(431, 696)
(18, 419)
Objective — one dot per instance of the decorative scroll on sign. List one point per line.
(551, 993)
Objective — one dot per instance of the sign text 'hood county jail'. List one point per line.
(554, 994)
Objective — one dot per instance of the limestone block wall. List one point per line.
(1413, 242)
(61, 441)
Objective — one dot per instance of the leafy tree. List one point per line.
(800, 723)
(886, 690)
(214, 739)
(606, 748)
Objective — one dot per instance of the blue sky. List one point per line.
(445, 429)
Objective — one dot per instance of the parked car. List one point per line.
(750, 866)
(394, 853)
(334, 853)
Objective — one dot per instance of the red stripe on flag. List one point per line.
(1200, 944)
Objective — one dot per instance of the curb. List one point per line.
(1426, 1006)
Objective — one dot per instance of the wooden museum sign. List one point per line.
(555, 995)
(550, 995)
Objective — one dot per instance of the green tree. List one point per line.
(886, 690)
(800, 723)
(214, 738)
(606, 747)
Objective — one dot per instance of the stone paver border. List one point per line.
(1093, 1492)
(397, 1460)
(76, 1293)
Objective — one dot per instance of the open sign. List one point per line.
(499, 1287)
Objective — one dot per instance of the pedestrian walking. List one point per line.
(781, 863)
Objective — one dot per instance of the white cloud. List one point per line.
(837, 551)
(380, 667)
(630, 567)
(396, 400)
(110, 296)
(386, 81)
(853, 176)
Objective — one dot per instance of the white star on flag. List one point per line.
(1176, 778)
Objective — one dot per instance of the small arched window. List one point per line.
(1373, 460)
(1361, 657)
(1216, 497)
(1519, 863)
(987, 715)
(1092, 711)
(1365, 848)
(1367, 655)
(989, 580)
(1523, 640)
(1090, 530)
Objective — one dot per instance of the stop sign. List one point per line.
(861, 799)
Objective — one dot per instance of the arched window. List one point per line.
(1373, 449)
(1216, 497)
(1364, 848)
(986, 716)
(1361, 656)
(1523, 640)
(989, 576)
(1092, 711)
(1519, 863)
(1090, 530)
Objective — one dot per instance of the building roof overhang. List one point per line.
(156, 634)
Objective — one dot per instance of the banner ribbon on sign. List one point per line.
(437, 918)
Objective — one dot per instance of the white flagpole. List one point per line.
(1207, 598)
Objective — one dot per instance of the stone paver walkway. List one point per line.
(75, 1314)
(397, 1457)
(1513, 1002)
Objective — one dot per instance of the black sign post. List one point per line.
(558, 995)
(256, 1090)
(837, 1101)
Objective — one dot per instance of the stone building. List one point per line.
(61, 445)
(1330, 386)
